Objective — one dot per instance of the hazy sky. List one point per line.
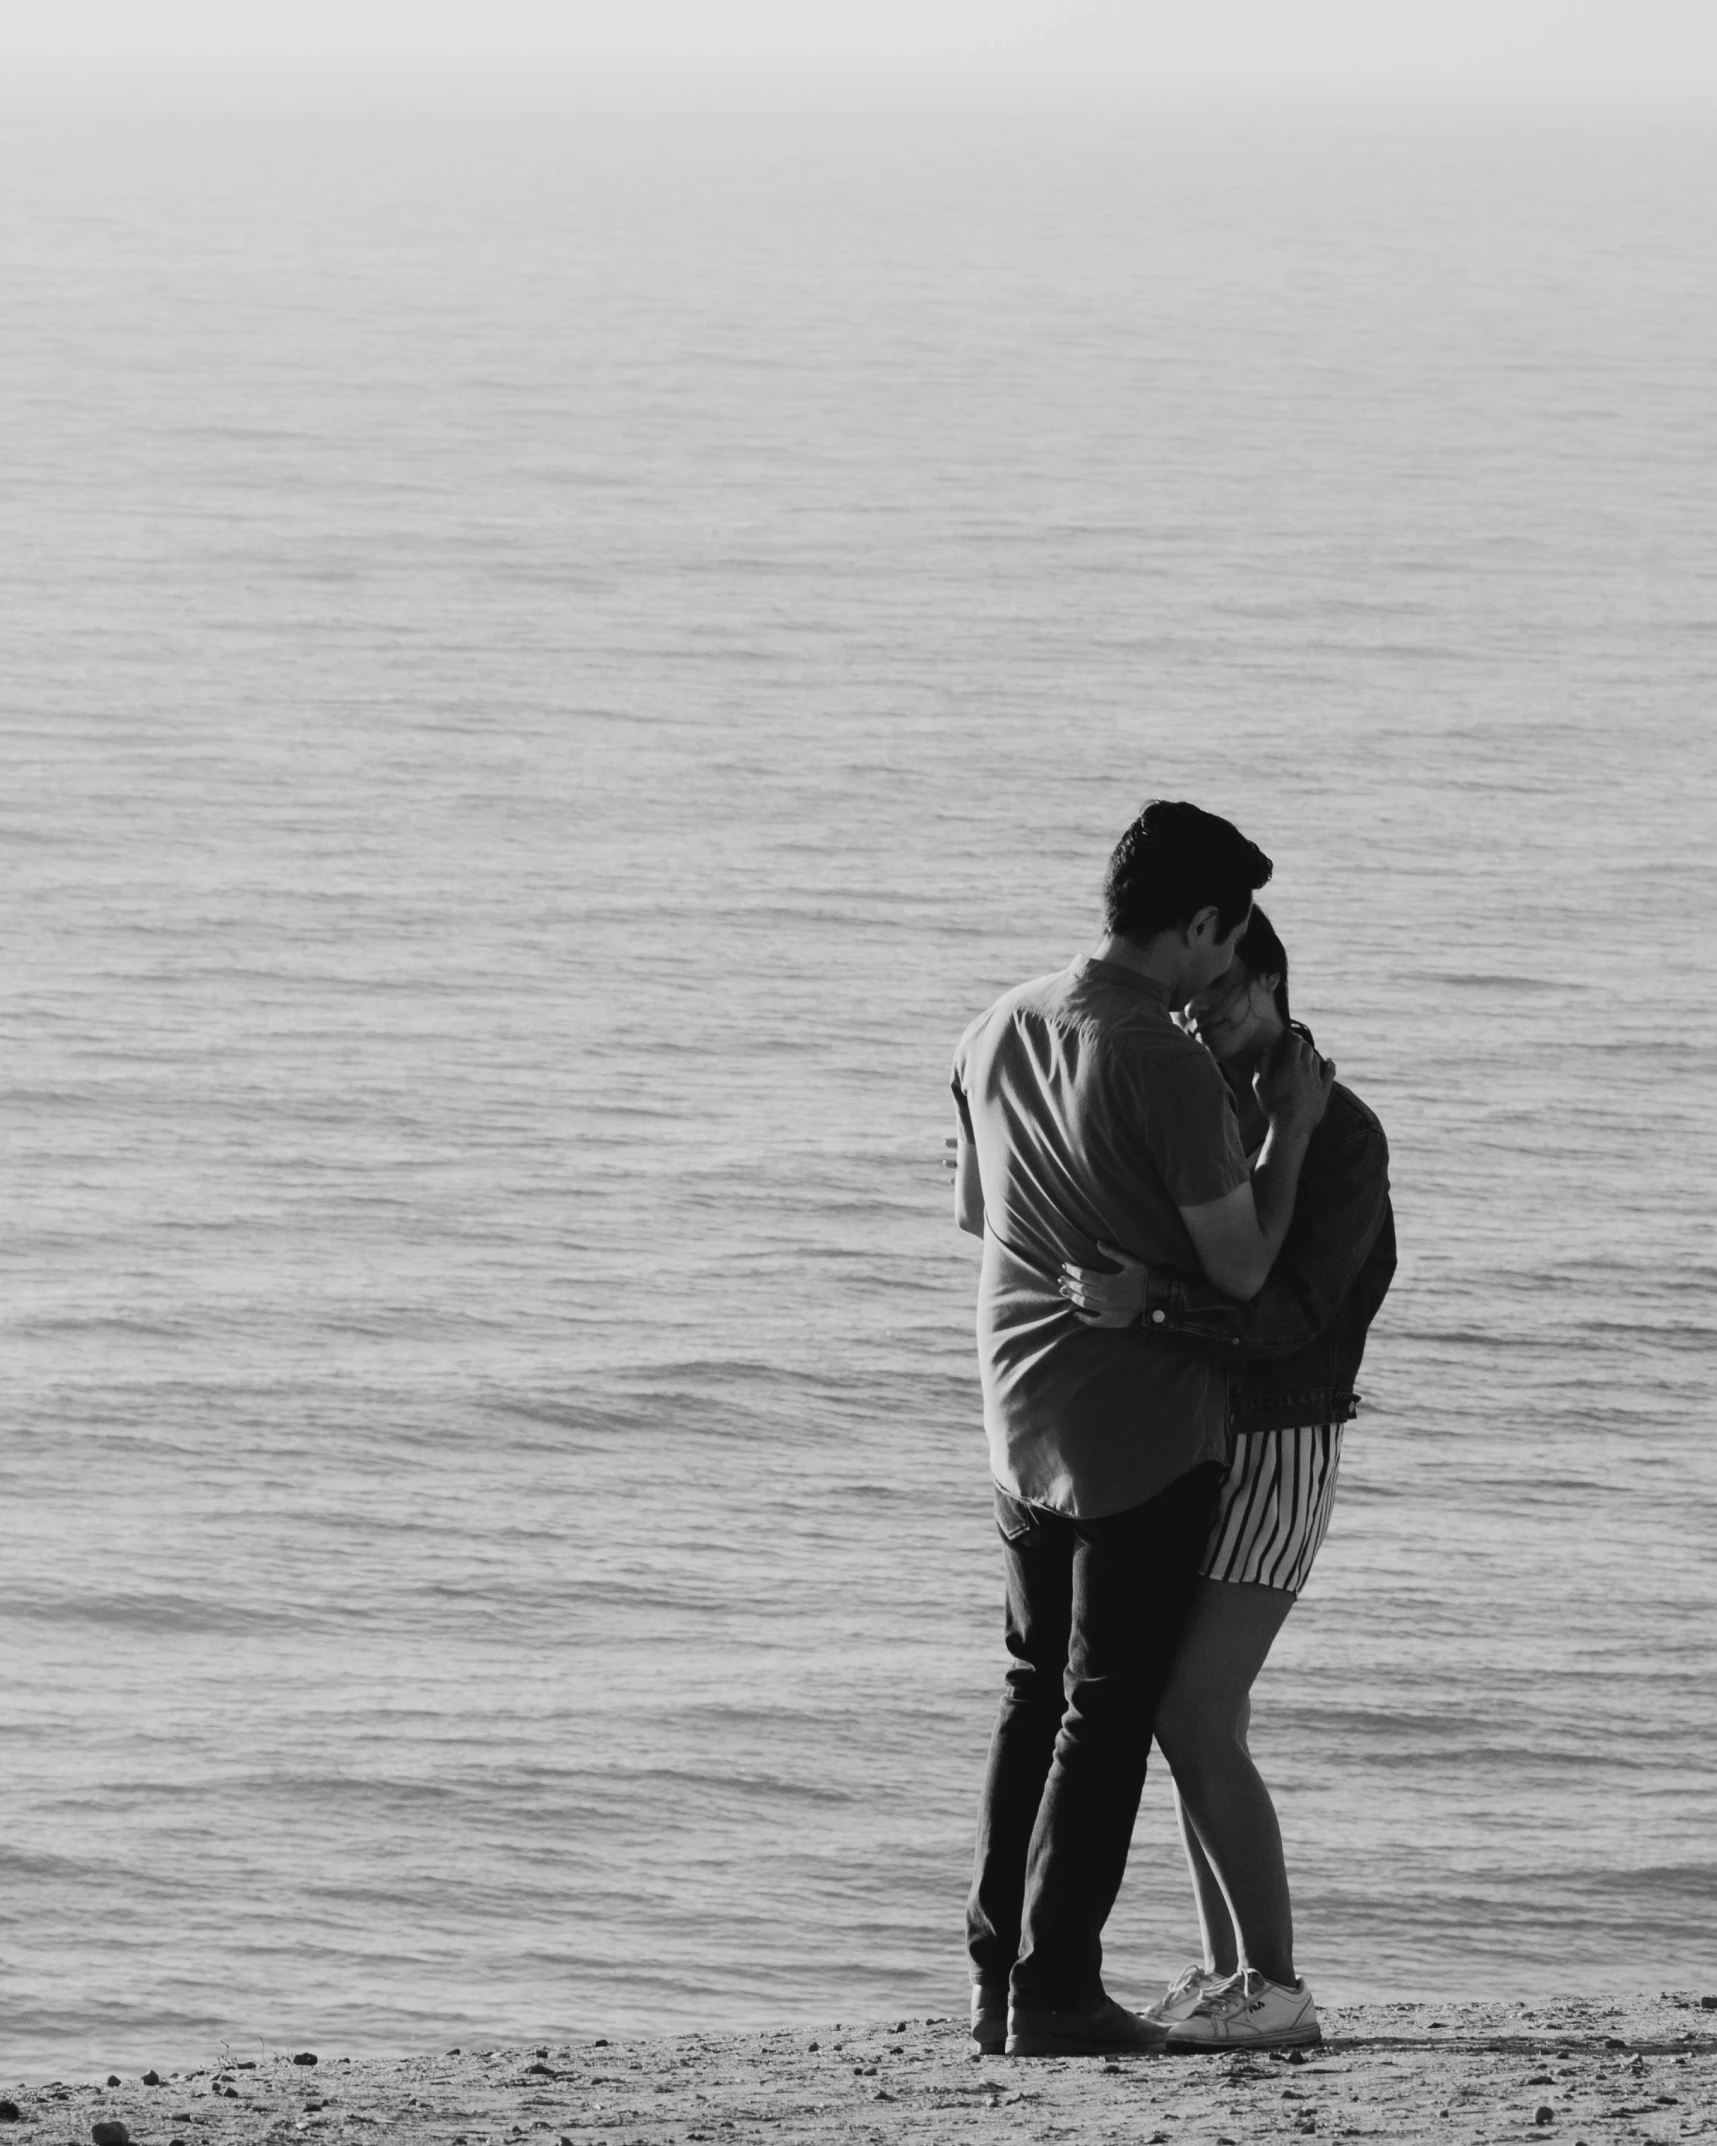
(1501, 41)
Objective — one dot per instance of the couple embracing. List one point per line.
(1187, 1232)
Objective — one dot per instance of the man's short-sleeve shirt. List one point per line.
(1094, 1119)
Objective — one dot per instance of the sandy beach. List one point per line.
(1635, 2068)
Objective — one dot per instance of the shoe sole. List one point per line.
(1068, 2045)
(1286, 2038)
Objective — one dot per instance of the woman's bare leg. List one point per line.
(1215, 1924)
(1201, 1726)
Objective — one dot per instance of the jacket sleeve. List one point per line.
(1338, 1221)
(1335, 1227)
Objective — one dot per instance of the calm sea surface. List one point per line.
(555, 651)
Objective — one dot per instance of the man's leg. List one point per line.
(1133, 1578)
(1038, 1548)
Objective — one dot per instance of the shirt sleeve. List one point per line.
(961, 1105)
(957, 1083)
(1194, 1132)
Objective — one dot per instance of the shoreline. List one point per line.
(1591, 2070)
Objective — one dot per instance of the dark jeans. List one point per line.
(1095, 1611)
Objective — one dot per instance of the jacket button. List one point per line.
(1157, 1317)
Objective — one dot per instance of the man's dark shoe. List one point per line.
(989, 2020)
(1107, 2029)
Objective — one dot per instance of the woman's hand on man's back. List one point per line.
(1106, 1299)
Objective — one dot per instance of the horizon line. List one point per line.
(1038, 71)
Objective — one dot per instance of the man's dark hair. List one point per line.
(1261, 953)
(1174, 861)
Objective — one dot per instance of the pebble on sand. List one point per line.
(305, 2056)
(110, 2132)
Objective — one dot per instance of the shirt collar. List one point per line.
(1117, 973)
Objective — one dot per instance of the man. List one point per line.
(1087, 1117)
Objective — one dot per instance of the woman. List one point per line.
(1296, 1347)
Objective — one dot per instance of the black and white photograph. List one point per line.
(860, 1238)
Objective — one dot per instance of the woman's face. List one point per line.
(1236, 1016)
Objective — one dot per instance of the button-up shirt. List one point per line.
(1093, 1118)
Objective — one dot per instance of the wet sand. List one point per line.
(1595, 2072)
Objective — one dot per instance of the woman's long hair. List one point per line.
(1263, 954)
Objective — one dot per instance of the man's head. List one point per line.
(1188, 874)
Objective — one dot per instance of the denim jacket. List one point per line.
(1295, 1350)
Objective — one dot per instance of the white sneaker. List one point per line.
(1247, 2012)
(1184, 1993)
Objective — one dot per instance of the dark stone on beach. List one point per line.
(113, 2078)
(9, 2112)
(1296, 2056)
(305, 2056)
(601, 2042)
(110, 2132)
(1708, 2004)
(539, 2071)
(1544, 2114)
(1614, 2041)
(539, 2052)
(151, 2078)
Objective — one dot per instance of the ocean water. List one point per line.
(559, 642)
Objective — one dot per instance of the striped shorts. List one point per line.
(1273, 1511)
